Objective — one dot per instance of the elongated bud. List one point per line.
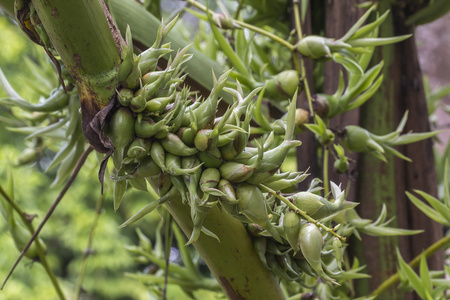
(291, 227)
(158, 155)
(137, 104)
(173, 165)
(121, 133)
(338, 251)
(313, 47)
(311, 243)
(227, 188)
(173, 144)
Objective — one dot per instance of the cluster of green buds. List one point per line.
(164, 136)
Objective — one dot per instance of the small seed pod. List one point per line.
(151, 77)
(211, 158)
(301, 117)
(173, 144)
(283, 85)
(313, 47)
(341, 165)
(227, 188)
(308, 202)
(125, 96)
(291, 226)
(158, 155)
(311, 243)
(173, 165)
(187, 134)
(121, 132)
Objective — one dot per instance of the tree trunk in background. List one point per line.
(379, 182)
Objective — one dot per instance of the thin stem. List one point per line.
(88, 250)
(248, 26)
(298, 28)
(326, 185)
(58, 199)
(38, 244)
(184, 250)
(443, 242)
(301, 212)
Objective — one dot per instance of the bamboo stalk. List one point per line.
(233, 260)
(83, 38)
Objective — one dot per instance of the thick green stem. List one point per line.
(233, 260)
(88, 45)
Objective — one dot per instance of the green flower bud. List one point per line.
(291, 227)
(311, 243)
(137, 104)
(173, 144)
(341, 165)
(313, 47)
(211, 158)
(164, 183)
(308, 202)
(209, 179)
(235, 172)
(283, 85)
(125, 96)
(227, 188)
(121, 132)
(206, 139)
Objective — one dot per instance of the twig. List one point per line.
(72, 177)
(88, 251)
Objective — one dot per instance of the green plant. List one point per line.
(219, 176)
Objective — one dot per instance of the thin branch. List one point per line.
(88, 251)
(78, 166)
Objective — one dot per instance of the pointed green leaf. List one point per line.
(411, 276)
(425, 275)
(427, 210)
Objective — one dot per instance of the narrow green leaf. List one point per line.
(349, 64)
(141, 213)
(228, 51)
(365, 96)
(427, 210)
(436, 204)
(374, 42)
(425, 275)
(411, 276)
(387, 231)
(446, 182)
(368, 29)
(396, 153)
(357, 25)
(413, 137)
